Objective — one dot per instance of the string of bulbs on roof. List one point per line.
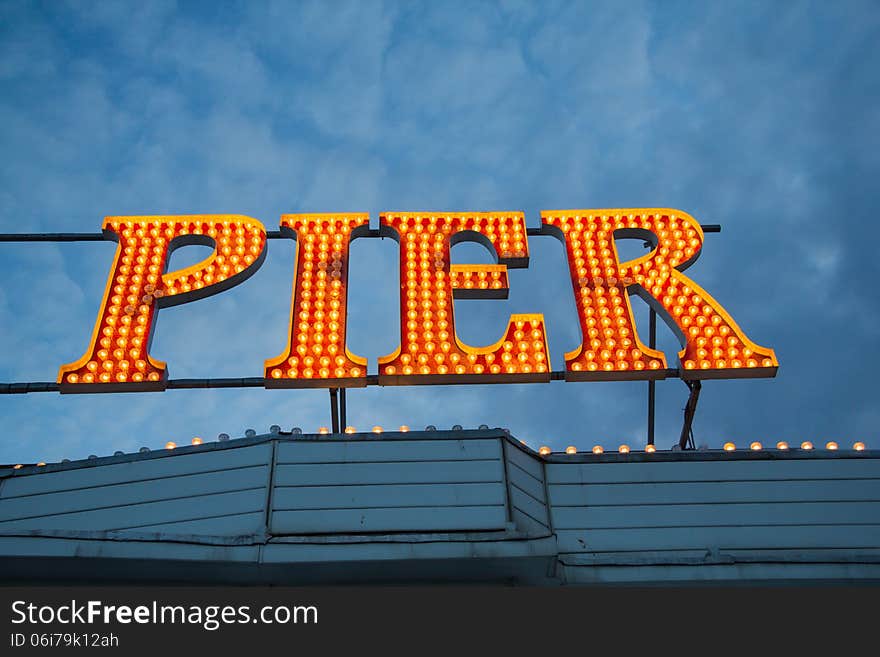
(544, 450)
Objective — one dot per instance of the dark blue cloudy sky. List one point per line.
(759, 116)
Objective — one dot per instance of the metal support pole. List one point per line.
(687, 433)
(342, 417)
(334, 409)
(652, 390)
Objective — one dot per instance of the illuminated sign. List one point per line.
(430, 351)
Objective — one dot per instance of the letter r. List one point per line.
(713, 345)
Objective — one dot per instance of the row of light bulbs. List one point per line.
(544, 450)
(296, 431)
(755, 446)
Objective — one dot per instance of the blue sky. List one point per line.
(759, 116)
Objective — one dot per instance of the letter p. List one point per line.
(118, 359)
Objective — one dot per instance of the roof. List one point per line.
(441, 505)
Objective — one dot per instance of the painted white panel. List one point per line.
(280, 552)
(155, 550)
(528, 525)
(170, 488)
(525, 462)
(526, 482)
(813, 490)
(351, 521)
(745, 470)
(386, 451)
(346, 497)
(139, 470)
(683, 538)
(228, 525)
(705, 515)
(320, 474)
(137, 515)
(676, 575)
(529, 505)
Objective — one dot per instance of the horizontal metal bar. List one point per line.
(248, 382)
(51, 237)
(707, 228)
(22, 388)
(270, 234)
(85, 237)
(235, 382)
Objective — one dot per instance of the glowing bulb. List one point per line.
(571, 449)
(782, 445)
(40, 464)
(831, 445)
(323, 430)
(17, 467)
(544, 450)
(196, 441)
(729, 447)
(597, 449)
(349, 429)
(170, 445)
(623, 449)
(755, 446)
(377, 429)
(650, 449)
(404, 428)
(859, 446)
(806, 445)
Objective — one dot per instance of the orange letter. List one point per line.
(431, 351)
(118, 358)
(320, 358)
(714, 347)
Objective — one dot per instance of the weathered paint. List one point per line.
(441, 506)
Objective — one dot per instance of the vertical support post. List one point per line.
(687, 432)
(334, 409)
(652, 343)
(342, 416)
